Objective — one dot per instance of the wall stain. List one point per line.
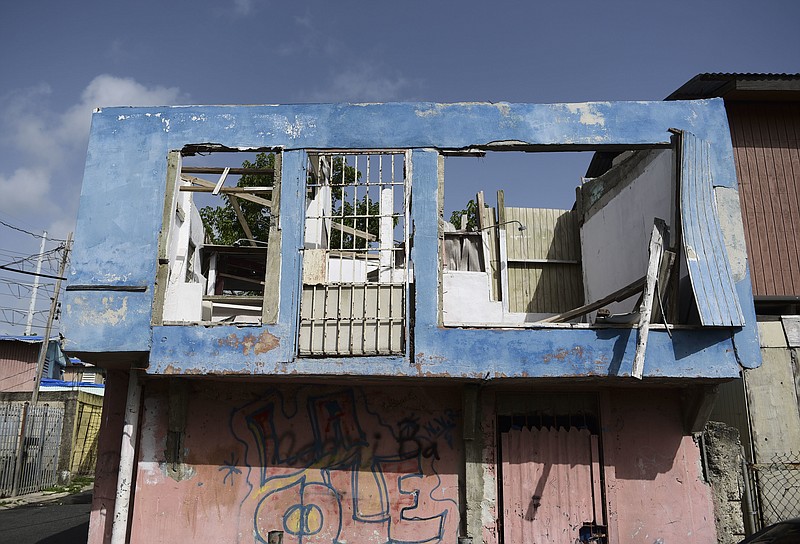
(258, 345)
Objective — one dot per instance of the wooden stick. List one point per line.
(616, 296)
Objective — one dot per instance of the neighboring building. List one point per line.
(60, 440)
(355, 369)
(764, 115)
(18, 357)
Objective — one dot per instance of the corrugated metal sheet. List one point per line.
(766, 141)
(18, 366)
(719, 84)
(706, 256)
(551, 484)
(544, 272)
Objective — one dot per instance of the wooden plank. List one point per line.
(220, 169)
(353, 231)
(205, 186)
(646, 308)
(223, 176)
(503, 250)
(272, 270)
(617, 296)
(242, 220)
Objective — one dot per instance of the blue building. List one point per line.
(325, 355)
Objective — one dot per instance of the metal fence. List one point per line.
(29, 459)
(87, 431)
(776, 488)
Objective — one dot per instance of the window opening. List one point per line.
(355, 259)
(515, 246)
(217, 248)
(611, 254)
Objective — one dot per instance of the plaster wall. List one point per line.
(321, 463)
(112, 282)
(654, 480)
(772, 397)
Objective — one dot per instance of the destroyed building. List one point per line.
(354, 368)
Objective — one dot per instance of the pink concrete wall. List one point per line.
(323, 464)
(654, 481)
(108, 447)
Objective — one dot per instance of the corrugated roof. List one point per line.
(30, 339)
(710, 85)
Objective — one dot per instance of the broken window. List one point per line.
(641, 243)
(220, 252)
(355, 258)
(510, 264)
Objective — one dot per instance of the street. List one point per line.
(62, 521)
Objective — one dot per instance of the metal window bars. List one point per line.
(355, 258)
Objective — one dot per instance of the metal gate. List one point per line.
(551, 485)
(29, 457)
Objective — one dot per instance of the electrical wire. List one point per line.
(29, 232)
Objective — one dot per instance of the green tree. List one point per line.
(471, 211)
(348, 213)
(220, 222)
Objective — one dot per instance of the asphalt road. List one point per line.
(62, 521)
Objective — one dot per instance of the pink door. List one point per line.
(551, 484)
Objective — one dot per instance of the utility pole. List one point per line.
(39, 368)
(32, 307)
(50, 317)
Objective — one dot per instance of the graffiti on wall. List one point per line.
(328, 468)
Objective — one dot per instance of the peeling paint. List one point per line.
(251, 343)
(105, 314)
(588, 113)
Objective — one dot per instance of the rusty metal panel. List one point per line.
(18, 366)
(766, 143)
(550, 484)
(706, 256)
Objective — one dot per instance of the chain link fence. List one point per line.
(776, 488)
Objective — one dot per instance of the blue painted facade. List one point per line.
(110, 300)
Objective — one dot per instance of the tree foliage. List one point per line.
(471, 211)
(220, 222)
(344, 180)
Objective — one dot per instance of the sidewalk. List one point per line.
(42, 497)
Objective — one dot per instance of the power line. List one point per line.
(28, 232)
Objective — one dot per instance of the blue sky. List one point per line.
(59, 61)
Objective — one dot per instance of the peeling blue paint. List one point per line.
(122, 204)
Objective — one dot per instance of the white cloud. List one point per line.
(106, 90)
(42, 145)
(362, 84)
(242, 7)
(25, 191)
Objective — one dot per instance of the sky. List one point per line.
(60, 60)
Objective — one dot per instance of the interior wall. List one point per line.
(615, 236)
(321, 463)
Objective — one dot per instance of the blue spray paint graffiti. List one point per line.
(339, 472)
